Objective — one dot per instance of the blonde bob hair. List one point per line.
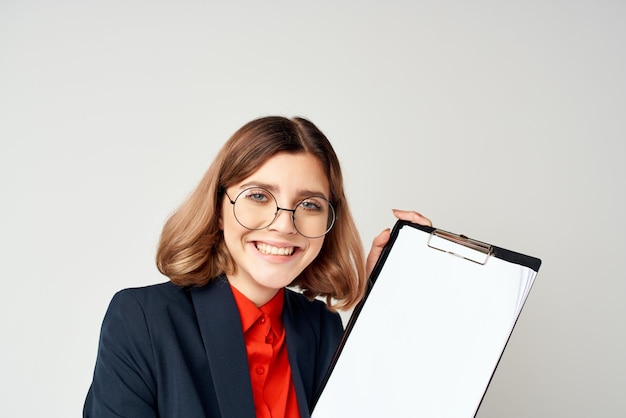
(192, 251)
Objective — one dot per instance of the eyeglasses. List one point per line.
(256, 208)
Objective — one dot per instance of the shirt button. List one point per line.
(263, 320)
(260, 370)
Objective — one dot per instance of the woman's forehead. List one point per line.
(293, 174)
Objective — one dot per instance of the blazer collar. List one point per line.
(301, 349)
(220, 327)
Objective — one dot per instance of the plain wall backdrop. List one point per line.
(502, 120)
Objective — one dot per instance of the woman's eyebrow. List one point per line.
(311, 193)
(267, 186)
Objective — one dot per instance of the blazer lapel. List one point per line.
(301, 354)
(220, 327)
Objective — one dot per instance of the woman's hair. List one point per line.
(192, 249)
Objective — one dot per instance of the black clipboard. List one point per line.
(428, 336)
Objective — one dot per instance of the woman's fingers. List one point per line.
(412, 216)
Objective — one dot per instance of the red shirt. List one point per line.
(270, 372)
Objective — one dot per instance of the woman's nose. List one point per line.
(283, 222)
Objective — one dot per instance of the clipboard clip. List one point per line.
(460, 246)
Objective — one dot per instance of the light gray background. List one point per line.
(501, 120)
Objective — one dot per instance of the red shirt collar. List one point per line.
(249, 313)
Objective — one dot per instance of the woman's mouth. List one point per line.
(271, 250)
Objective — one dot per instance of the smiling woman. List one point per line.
(225, 337)
(287, 158)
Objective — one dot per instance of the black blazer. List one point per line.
(167, 351)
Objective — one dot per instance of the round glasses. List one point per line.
(256, 208)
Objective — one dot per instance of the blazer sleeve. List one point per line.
(123, 382)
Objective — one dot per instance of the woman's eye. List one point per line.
(311, 205)
(259, 196)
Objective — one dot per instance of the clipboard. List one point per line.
(427, 338)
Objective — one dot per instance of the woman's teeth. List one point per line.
(268, 249)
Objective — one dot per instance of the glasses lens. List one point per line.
(314, 217)
(255, 208)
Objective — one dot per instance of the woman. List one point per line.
(224, 338)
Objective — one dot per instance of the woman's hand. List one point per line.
(381, 240)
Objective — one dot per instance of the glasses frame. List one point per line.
(278, 209)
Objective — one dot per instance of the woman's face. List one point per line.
(271, 258)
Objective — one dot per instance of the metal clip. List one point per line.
(460, 246)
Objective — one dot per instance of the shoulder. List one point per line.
(313, 313)
(164, 290)
(151, 297)
(148, 307)
(298, 299)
